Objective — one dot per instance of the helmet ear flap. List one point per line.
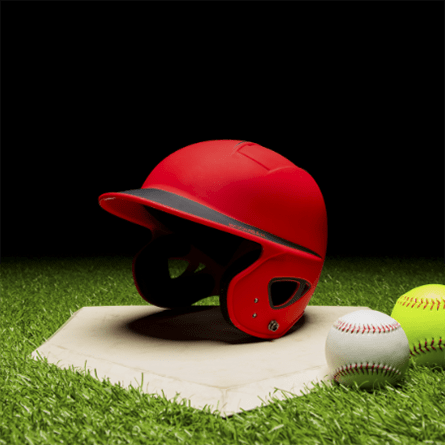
(152, 278)
(234, 269)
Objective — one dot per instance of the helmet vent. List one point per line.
(286, 291)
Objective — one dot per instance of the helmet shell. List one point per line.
(243, 189)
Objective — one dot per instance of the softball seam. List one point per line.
(355, 368)
(425, 302)
(424, 349)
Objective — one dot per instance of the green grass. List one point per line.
(42, 404)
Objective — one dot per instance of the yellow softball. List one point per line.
(421, 313)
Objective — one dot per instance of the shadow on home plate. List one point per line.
(195, 323)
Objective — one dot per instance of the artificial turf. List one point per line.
(42, 404)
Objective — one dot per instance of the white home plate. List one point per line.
(194, 352)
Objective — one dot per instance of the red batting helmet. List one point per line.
(255, 220)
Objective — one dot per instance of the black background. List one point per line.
(375, 204)
(94, 95)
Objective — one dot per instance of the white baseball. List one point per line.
(367, 347)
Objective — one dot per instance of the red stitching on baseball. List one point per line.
(356, 369)
(352, 328)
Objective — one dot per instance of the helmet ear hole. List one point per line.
(282, 291)
(285, 291)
